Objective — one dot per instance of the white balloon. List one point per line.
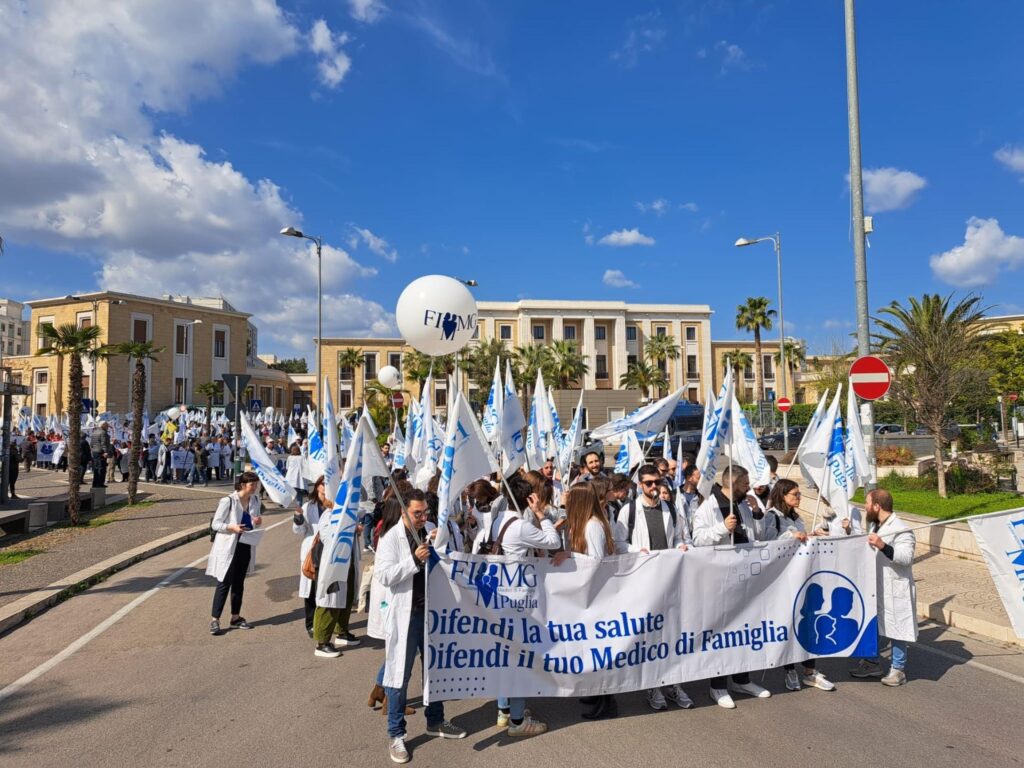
(389, 377)
(174, 411)
(436, 315)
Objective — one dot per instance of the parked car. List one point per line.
(775, 442)
(888, 429)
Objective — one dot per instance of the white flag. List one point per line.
(647, 421)
(812, 429)
(717, 425)
(466, 457)
(272, 479)
(666, 444)
(857, 467)
(332, 452)
(492, 411)
(825, 462)
(744, 448)
(512, 423)
(398, 446)
(556, 425)
(1001, 541)
(630, 453)
(573, 440)
(431, 441)
(369, 418)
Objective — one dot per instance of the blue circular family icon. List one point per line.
(828, 613)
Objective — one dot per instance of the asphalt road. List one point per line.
(155, 689)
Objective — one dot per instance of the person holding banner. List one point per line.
(782, 521)
(400, 568)
(231, 559)
(897, 596)
(725, 518)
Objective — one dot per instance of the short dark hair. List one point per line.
(773, 463)
(620, 482)
(245, 477)
(414, 494)
(520, 489)
(662, 465)
(583, 458)
(646, 469)
(688, 470)
(733, 473)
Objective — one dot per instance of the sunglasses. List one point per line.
(648, 483)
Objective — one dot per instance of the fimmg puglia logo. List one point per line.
(448, 323)
(498, 585)
(828, 614)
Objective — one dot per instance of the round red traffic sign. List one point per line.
(870, 377)
(397, 400)
(784, 404)
(1013, 397)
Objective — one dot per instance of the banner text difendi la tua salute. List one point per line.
(523, 627)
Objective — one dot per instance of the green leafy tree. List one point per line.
(138, 352)
(291, 365)
(209, 390)
(796, 356)
(568, 365)
(418, 366)
(71, 343)
(931, 344)
(530, 358)
(752, 317)
(659, 350)
(644, 375)
(739, 361)
(1003, 358)
(478, 364)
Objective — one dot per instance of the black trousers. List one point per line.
(309, 603)
(741, 679)
(234, 580)
(150, 469)
(99, 470)
(12, 477)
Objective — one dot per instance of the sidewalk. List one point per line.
(955, 590)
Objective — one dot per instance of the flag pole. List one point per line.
(817, 503)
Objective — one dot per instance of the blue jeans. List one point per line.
(899, 654)
(516, 707)
(397, 696)
(367, 521)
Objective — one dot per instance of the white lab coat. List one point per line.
(375, 618)
(310, 520)
(212, 455)
(394, 570)
(293, 475)
(229, 512)
(897, 595)
(641, 535)
(709, 528)
(337, 598)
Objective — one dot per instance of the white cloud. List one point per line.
(378, 245)
(465, 52)
(733, 57)
(625, 237)
(588, 234)
(658, 206)
(616, 279)
(368, 11)
(889, 189)
(1012, 157)
(986, 252)
(643, 35)
(85, 169)
(835, 324)
(691, 207)
(333, 63)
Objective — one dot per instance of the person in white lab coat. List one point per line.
(334, 608)
(400, 568)
(231, 559)
(293, 472)
(897, 595)
(304, 524)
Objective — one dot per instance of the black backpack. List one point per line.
(631, 520)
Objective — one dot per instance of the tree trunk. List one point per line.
(138, 401)
(758, 370)
(1002, 420)
(209, 417)
(75, 457)
(940, 465)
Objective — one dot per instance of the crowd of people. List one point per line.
(594, 514)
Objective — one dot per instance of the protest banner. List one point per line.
(523, 627)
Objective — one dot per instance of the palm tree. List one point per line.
(478, 364)
(378, 403)
(752, 317)
(209, 390)
(140, 352)
(71, 342)
(530, 358)
(659, 350)
(644, 375)
(567, 364)
(418, 366)
(739, 361)
(796, 356)
(351, 360)
(931, 348)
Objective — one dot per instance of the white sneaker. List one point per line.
(817, 680)
(722, 698)
(656, 699)
(751, 689)
(529, 727)
(676, 694)
(792, 680)
(397, 750)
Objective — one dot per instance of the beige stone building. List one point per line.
(747, 382)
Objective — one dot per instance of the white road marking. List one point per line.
(103, 626)
(971, 663)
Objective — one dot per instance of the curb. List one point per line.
(29, 606)
(941, 615)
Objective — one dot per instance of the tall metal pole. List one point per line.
(860, 266)
(782, 342)
(319, 336)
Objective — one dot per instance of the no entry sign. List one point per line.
(784, 404)
(397, 400)
(870, 377)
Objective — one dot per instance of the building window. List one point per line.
(630, 333)
(440, 398)
(265, 395)
(85, 385)
(766, 365)
(748, 372)
(631, 360)
(345, 398)
(278, 398)
(181, 342)
(44, 341)
(505, 332)
(85, 321)
(691, 367)
(600, 332)
(601, 366)
(369, 366)
(220, 343)
(691, 333)
(692, 396)
(179, 390)
(476, 332)
(569, 333)
(661, 330)
(538, 333)
(10, 348)
(42, 377)
(395, 360)
(346, 373)
(140, 331)
(218, 397)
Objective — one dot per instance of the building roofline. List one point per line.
(570, 304)
(101, 295)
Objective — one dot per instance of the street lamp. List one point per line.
(293, 232)
(776, 241)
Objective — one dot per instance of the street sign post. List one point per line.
(784, 404)
(397, 401)
(236, 382)
(870, 377)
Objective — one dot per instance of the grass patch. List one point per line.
(12, 558)
(927, 503)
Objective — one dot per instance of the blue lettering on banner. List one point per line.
(1017, 556)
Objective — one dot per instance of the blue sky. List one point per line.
(574, 150)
